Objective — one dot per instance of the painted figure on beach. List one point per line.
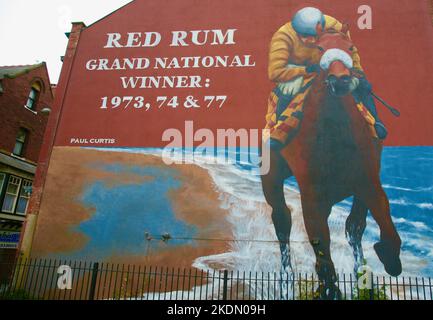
(325, 130)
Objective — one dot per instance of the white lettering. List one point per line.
(133, 40)
(195, 35)
(179, 39)
(113, 40)
(65, 280)
(148, 39)
(365, 21)
(91, 65)
(162, 82)
(219, 37)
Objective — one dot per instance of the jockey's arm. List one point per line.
(356, 59)
(332, 23)
(281, 46)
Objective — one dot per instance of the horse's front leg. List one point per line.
(281, 217)
(273, 189)
(355, 227)
(316, 215)
(388, 248)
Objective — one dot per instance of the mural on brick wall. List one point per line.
(283, 136)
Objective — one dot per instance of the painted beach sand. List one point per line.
(216, 213)
(110, 204)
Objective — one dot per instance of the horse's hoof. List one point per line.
(390, 261)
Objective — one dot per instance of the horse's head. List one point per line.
(336, 60)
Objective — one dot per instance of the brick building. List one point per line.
(26, 97)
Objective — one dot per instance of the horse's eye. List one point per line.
(320, 48)
(352, 48)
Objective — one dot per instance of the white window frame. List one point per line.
(33, 100)
(24, 183)
(17, 195)
(3, 182)
(22, 142)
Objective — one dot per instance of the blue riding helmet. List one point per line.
(305, 21)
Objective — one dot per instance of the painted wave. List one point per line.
(407, 177)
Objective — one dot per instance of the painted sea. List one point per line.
(407, 177)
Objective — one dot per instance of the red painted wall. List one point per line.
(397, 55)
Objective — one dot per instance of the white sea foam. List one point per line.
(428, 206)
(401, 202)
(388, 186)
(406, 203)
(417, 224)
(250, 218)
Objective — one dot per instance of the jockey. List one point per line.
(293, 62)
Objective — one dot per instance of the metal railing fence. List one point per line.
(82, 280)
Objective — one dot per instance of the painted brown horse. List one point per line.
(333, 156)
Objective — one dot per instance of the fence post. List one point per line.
(371, 289)
(12, 278)
(225, 282)
(18, 274)
(93, 281)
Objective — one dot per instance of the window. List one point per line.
(23, 200)
(2, 180)
(31, 101)
(33, 96)
(20, 142)
(11, 195)
(17, 194)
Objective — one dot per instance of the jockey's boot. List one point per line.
(275, 148)
(275, 145)
(369, 103)
(363, 93)
(381, 131)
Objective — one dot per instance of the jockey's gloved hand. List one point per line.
(364, 86)
(313, 68)
(358, 73)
